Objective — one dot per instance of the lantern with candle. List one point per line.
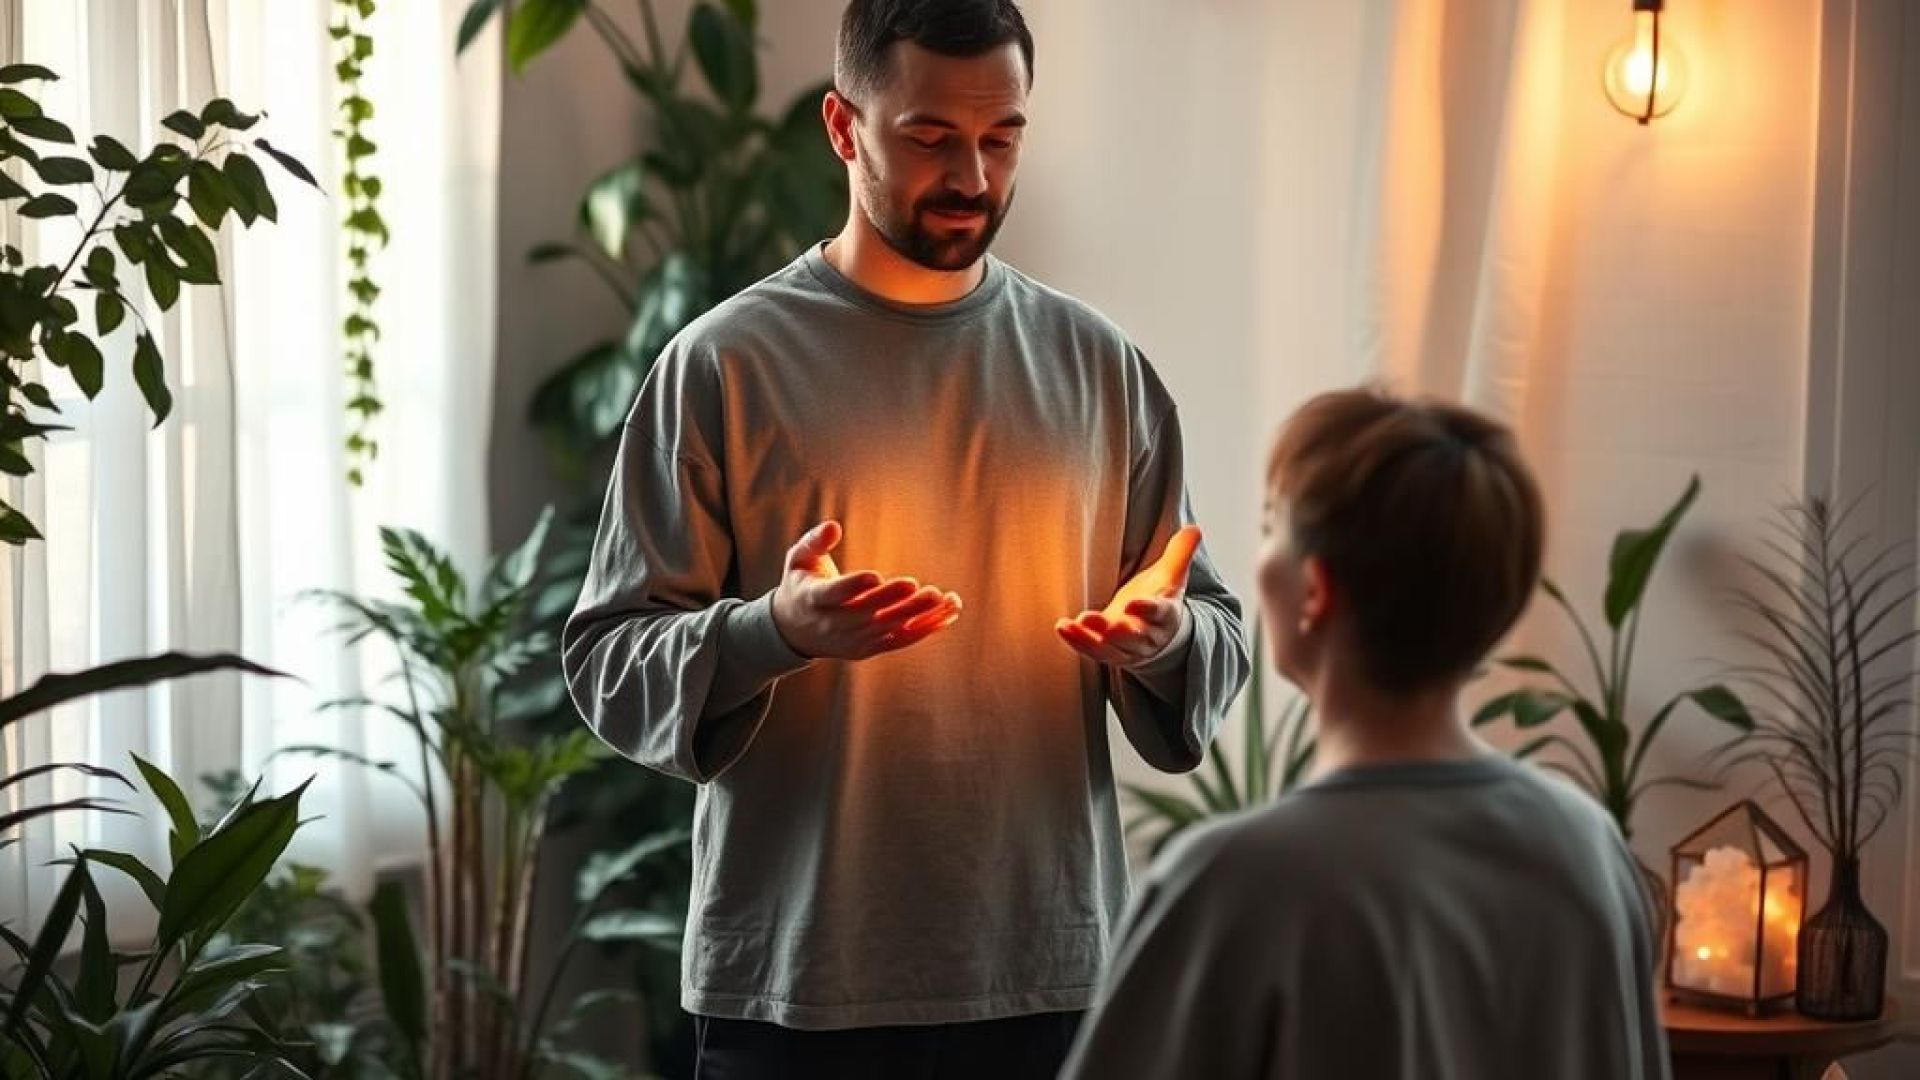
(1739, 890)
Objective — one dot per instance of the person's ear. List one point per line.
(840, 116)
(1317, 595)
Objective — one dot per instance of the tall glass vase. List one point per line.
(1843, 954)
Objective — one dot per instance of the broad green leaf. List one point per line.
(199, 262)
(288, 162)
(186, 827)
(1724, 705)
(614, 205)
(402, 986)
(479, 13)
(185, 123)
(13, 73)
(724, 49)
(44, 128)
(223, 112)
(223, 869)
(251, 196)
(47, 205)
(14, 105)
(150, 375)
(163, 282)
(56, 689)
(1635, 554)
(605, 869)
(534, 25)
(143, 875)
(83, 361)
(109, 154)
(108, 313)
(63, 170)
(208, 193)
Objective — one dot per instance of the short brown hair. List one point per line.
(1427, 520)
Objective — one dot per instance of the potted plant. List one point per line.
(1611, 763)
(1836, 676)
(1272, 763)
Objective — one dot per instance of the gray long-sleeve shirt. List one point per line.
(1423, 921)
(931, 835)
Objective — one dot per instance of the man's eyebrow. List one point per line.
(1012, 120)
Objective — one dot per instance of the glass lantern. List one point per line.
(1739, 892)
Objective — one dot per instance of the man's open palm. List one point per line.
(824, 613)
(1144, 617)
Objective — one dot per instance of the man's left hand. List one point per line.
(1146, 614)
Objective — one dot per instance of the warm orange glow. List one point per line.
(1630, 71)
(1718, 935)
(1120, 625)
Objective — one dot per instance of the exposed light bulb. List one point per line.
(1645, 75)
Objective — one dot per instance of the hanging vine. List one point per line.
(364, 229)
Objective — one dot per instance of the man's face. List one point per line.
(936, 150)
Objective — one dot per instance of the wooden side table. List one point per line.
(1708, 1044)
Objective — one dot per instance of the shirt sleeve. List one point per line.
(1171, 707)
(665, 663)
(1184, 995)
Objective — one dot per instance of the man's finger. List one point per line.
(885, 594)
(842, 589)
(810, 549)
(921, 602)
(901, 639)
(1085, 642)
(1158, 612)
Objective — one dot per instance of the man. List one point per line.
(1426, 908)
(907, 853)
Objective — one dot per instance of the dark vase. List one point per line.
(1843, 954)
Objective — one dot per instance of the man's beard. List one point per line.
(913, 238)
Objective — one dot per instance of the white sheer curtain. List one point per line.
(202, 534)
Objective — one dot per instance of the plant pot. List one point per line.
(1843, 954)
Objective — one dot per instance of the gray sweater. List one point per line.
(931, 835)
(1443, 921)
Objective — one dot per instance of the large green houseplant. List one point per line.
(144, 220)
(1609, 758)
(465, 1003)
(1272, 762)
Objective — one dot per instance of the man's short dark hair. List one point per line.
(870, 29)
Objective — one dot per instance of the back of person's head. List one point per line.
(962, 28)
(1425, 521)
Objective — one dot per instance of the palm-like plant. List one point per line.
(1837, 675)
(458, 647)
(1611, 766)
(1272, 762)
(195, 1001)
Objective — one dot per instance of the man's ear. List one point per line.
(840, 116)
(1317, 599)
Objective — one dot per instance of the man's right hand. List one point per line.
(823, 613)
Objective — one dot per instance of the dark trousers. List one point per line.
(1018, 1048)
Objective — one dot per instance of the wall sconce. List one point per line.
(1645, 75)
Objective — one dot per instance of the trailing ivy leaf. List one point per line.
(222, 112)
(185, 123)
(13, 73)
(44, 128)
(474, 21)
(198, 262)
(248, 183)
(110, 154)
(150, 374)
(288, 162)
(535, 25)
(63, 170)
(108, 313)
(39, 396)
(47, 205)
(162, 282)
(14, 105)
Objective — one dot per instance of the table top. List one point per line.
(1694, 1029)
